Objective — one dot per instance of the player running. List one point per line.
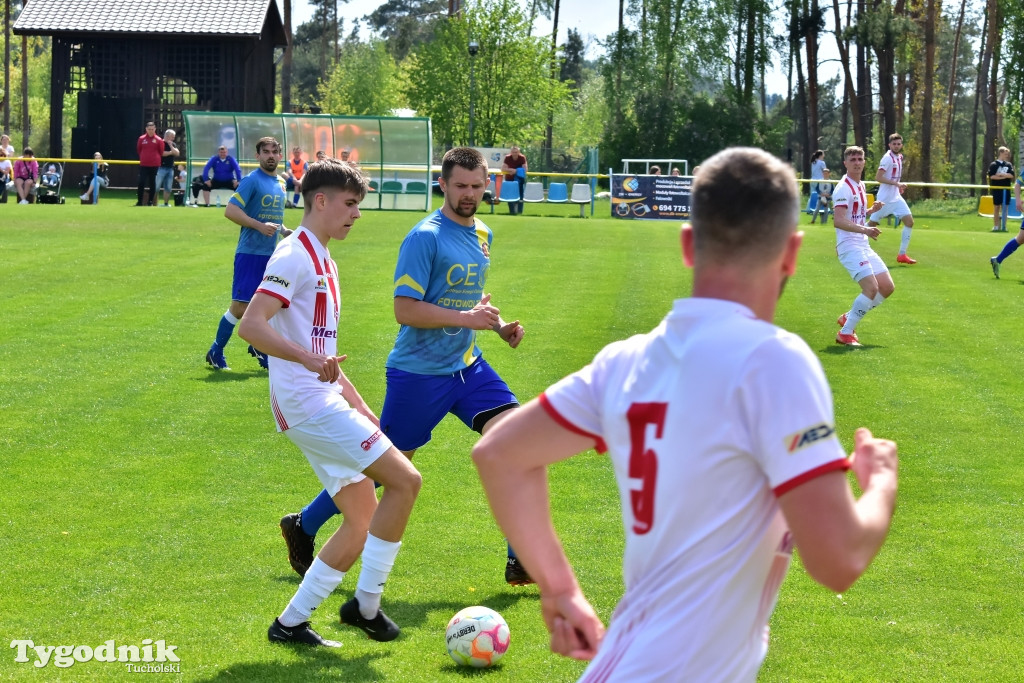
(436, 367)
(294, 318)
(890, 193)
(258, 206)
(720, 429)
(855, 253)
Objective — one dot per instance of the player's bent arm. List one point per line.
(512, 459)
(254, 327)
(425, 315)
(838, 535)
(841, 221)
(235, 214)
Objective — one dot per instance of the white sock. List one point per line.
(230, 318)
(905, 239)
(860, 308)
(877, 301)
(319, 582)
(378, 559)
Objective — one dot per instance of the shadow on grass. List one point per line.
(837, 349)
(214, 376)
(315, 659)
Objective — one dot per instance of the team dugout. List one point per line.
(394, 152)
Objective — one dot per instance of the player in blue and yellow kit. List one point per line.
(257, 206)
(436, 367)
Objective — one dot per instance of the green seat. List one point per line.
(415, 187)
(391, 187)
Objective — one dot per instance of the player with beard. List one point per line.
(436, 367)
(257, 206)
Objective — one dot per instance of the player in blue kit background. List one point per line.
(257, 206)
(436, 367)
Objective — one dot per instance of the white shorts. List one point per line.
(861, 262)
(897, 207)
(339, 443)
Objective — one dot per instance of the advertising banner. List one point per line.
(651, 197)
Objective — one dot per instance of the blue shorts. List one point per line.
(414, 404)
(249, 269)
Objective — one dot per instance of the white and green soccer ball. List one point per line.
(477, 636)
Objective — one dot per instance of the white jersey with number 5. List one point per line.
(707, 419)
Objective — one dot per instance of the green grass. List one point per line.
(142, 491)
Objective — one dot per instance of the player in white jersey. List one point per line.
(293, 318)
(721, 432)
(890, 192)
(855, 253)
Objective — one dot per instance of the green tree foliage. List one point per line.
(38, 58)
(366, 81)
(573, 59)
(407, 23)
(513, 90)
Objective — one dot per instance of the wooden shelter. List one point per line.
(132, 61)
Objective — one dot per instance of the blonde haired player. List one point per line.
(720, 475)
(890, 193)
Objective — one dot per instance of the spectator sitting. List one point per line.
(50, 178)
(655, 170)
(94, 182)
(5, 174)
(675, 171)
(321, 155)
(226, 173)
(294, 170)
(6, 146)
(26, 175)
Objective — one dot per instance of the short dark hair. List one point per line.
(463, 157)
(263, 142)
(895, 136)
(852, 149)
(726, 229)
(28, 151)
(333, 174)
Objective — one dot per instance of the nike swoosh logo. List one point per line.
(287, 633)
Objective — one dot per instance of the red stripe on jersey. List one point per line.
(599, 444)
(304, 239)
(278, 415)
(787, 486)
(332, 279)
(276, 296)
(320, 310)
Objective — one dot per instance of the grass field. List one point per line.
(141, 491)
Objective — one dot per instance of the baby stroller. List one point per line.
(49, 184)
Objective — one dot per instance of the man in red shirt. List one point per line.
(151, 150)
(510, 167)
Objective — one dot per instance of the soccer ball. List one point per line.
(477, 636)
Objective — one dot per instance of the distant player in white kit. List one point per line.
(720, 429)
(855, 253)
(890, 193)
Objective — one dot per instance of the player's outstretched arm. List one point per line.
(838, 535)
(254, 327)
(512, 459)
(425, 315)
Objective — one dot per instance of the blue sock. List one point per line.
(1010, 247)
(224, 329)
(319, 510)
(511, 553)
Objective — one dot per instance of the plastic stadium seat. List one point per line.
(985, 207)
(1011, 210)
(558, 193)
(534, 192)
(580, 195)
(415, 187)
(509, 191)
(812, 203)
(374, 186)
(391, 187)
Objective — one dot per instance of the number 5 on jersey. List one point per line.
(643, 462)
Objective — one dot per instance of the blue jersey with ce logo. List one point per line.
(445, 264)
(261, 196)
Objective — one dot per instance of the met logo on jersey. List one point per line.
(800, 440)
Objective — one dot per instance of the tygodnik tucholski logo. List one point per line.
(149, 657)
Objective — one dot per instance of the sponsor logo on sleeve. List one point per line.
(274, 279)
(807, 437)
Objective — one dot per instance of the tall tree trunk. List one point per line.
(979, 85)
(337, 38)
(549, 133)
(989, 66)
(811, 45)
(885, 56)
(749, 53)
(7, 65)
(844, 58)
(761, 39)
(954, 82)
(804, 128)
(286, 64)
(864, 98)
(25, 128)
(618, 68)
(930, 17)
(901, 77)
